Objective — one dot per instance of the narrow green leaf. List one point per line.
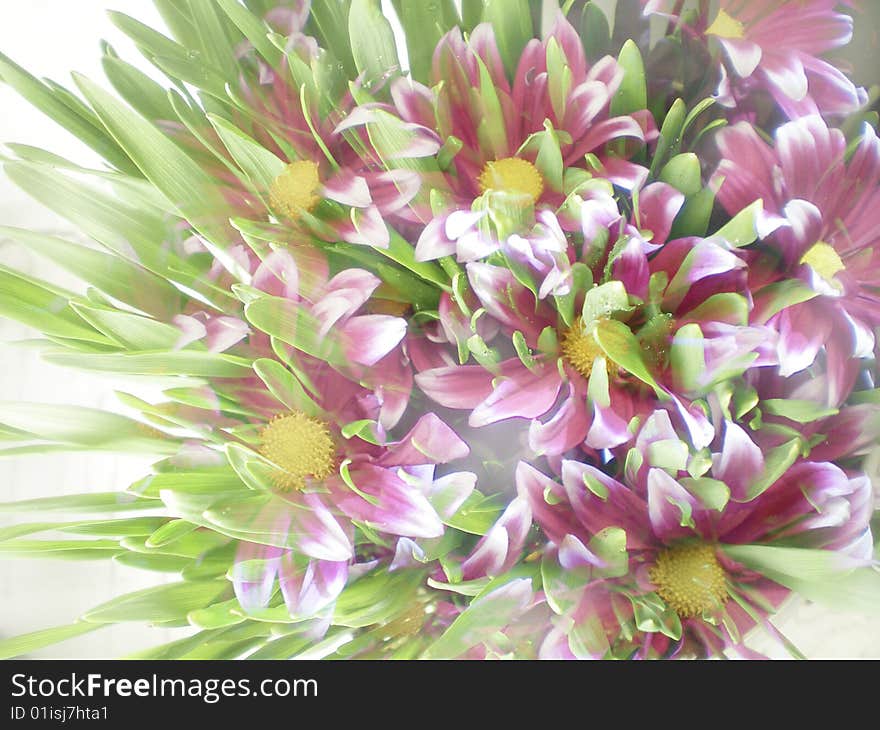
(424, 24)
(776, 463)
(192, 191)
(253, 28)
(97, 502)
(801, 411)
(161, 603)
(45, 309)
(116, 277)
(486, 615)
(621, 345)
(27, 643)
(742, 228)
(683, 173)
(259, 165)
(632, 96)
(372, 42)
(83, 125)
(84, 427)
(162, 363)
(146, 96)
(512, 22)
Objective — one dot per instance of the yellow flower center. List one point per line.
(302, 448)
(824, 260)
(580, 348)
(690, 579)
(295, 190)
(512, 175)
(726, 26)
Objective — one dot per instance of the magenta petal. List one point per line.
(449, 492)
(498, 550)
(223, 332)
(740, 462)
(390, 504)
(606, 131)
(315, 586)
(253, 574)
(462, 386)
(366, 228)
(659, 203)
(667, 503)
(555, 519)
(278, 275)
(565, 430)
(433, 243)
(573, 554)
(610, 505)
(317, 532)
(368, 338)
(487, 558)
(786, 72)
(523, 394)
(701, 430)
(430, 441)
(744, 55)
(191, 330)
(394, 190)
(801, 335)
(607, 429)
(348, 189)
(631, 268)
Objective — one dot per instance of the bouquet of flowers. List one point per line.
(525, 330)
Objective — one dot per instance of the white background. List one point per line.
(51, 38)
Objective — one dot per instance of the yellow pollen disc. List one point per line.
(580, 348)
(295, 190)
(824, 260)
(690, 579)
(512, 175)
(301, 446)
(726, 26)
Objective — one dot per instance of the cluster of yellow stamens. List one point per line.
(301, 446)
(580, 349)
(690, 579)
(295, 190)
(513, 175)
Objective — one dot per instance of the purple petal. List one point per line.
(565, 430)
(659, 203)
(430, 441)
(608, 429)
(666, 500)
(740, 462)
(785, 72)
(433, 242)
(462, 386)
(394, 506)
(617, 507)
(801, 335)
(253, 574)
(370, 337)
(348, 189)
(449, 492)
(744, 55)
(365, 228)
(523, 394)
(573, 554)
(315, 586)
